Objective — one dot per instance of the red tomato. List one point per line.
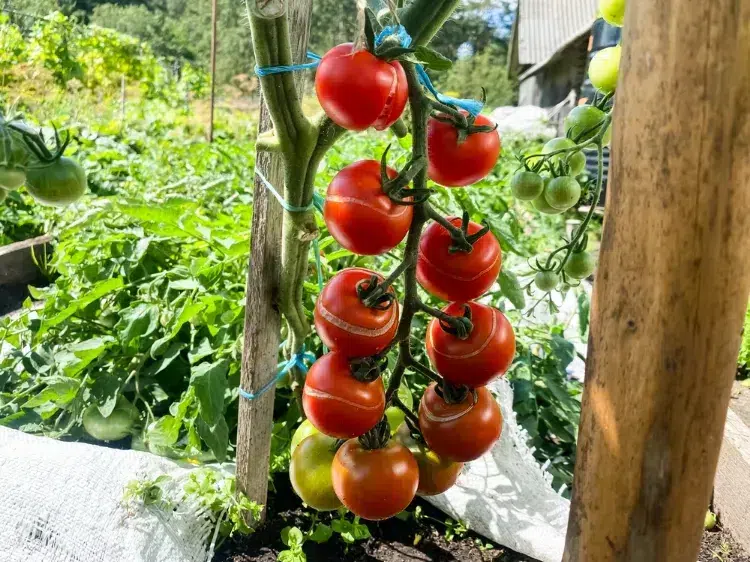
(460, 432)
(455, 164)
(436, 474)
(338, 404)
(362, 218)
(345, 324)
(376, 483)
(486, 354)
(357, 90)
(457, 276)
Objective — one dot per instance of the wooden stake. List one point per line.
(672, 285)
(262, 319)
(214, 14)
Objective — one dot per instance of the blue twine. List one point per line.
(399, 31)
(296, 360)
(283, 202)
(267, 70)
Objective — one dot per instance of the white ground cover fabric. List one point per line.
(507, 497)
(61, 502)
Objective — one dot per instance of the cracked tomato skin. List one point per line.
(482, 357)
(345, 324)
(357, 90)
(375, 484)
(360, 216)
(336, 403)
(460, 432)
(457, 164)
(457, 276)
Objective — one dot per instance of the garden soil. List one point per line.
(398, 541)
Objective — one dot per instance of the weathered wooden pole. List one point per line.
(672, 284)
(214, 17)
(262, 317)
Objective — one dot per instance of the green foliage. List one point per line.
(744, 359)
(485, 69)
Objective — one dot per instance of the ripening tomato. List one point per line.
(357, 90)
(305, 429)
(436, 475)
(485, 355)
(375, 484)
(456, 164)
(337, 403)
(613, 11)
(460, 432)
(457, 276)
(310, 472)
(562, 192)
(343, 321)
(604, 69)
(359, 215)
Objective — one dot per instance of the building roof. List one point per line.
(543, 27)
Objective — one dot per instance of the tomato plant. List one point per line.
(462, 429)
(454, 275)
(459, 159)
(527, 185)
(358, 90)
(118, 424)
(604, 69)
(375, 483)
(58, 184)
(483, 355)
(436, 475)
(338, 404)
(360, 215)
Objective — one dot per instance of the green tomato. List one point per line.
(11, 178)
(310, 472)
(613, 11)
(604, 69)
(579, 265)
(526, 185)
(562, 193)
(546, 280)
(541, 205)
(710, 521)
(576, 161)
(582, 123)
(3, 194)
(305, 429)
(117, 425)
(394, 414)
(57, 184)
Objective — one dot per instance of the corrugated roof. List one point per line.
(546, 25)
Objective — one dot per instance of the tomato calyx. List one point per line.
(377, 437)
(453, 394)
(463, 121)
(367, 369)
(470, 238)
(458, 326)
(375, 293)
(397, 189)
(37, 144)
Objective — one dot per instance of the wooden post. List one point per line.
(672, 285)
(262, 319)
(213, 71)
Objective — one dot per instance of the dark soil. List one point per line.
(404, 541)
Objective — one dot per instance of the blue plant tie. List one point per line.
(296, 360)
(474, 107)
(283, 202)
(267, 70)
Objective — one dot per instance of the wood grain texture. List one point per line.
(262, 318)
(672, 284)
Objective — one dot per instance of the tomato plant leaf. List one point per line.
(215, 436)
(511, 288)
(432, 59)
(210, 382)
(322, 533)
(563, 350)
(136, 323)
(164, 432)
(92, 294)
(59, 393)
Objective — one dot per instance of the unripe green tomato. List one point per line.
(57, 184)
(541, 205)
(305, 429)
(3, 194)
(546, 280)
(613, 11)
(582, 123)
(11, 178)
(580, 265)
(576, 161)
(394, 414)
(117, 425)
(710, 521)
(310, 472)
(562, 193)
(526, 185)
(604, 69)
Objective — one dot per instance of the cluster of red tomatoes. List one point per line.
(375, 472)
